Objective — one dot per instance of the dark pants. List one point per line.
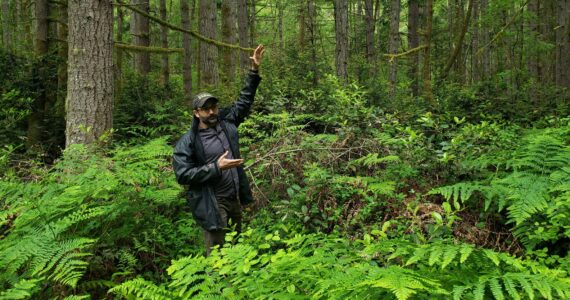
(230, 212)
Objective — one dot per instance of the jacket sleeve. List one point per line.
(187, 169)
(242, 107)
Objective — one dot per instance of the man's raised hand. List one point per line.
(257, 57)
(225, 163)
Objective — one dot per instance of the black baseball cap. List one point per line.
(201, 99)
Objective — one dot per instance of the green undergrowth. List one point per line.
(90, 221)
(281, 265)
(354, 205)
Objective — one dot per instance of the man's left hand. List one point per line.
(257, 57)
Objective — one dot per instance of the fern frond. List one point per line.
(142, 289)
(403, 283)
(23, 289)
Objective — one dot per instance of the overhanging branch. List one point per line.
(176, 28)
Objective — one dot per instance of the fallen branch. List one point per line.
(397, 55)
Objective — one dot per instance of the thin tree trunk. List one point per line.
(533, 8)
(243, 24)
(119, 67)
(563, 44)
(141, 32)
(164, 42)
(36, 118)
(280, 9)
(302, 29)
(486, 55)
(62, 53)
(312, 15)
(394, 43)
(341, 30)
(426, 72)
(187, 58)
(414, 42)
(228, 36)
(370, 27)
(459, 43)
(475, 61)
(90, 83)
(208, 52)
(6, 25)
(252, 20)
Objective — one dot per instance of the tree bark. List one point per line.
(252, 20)
(141, 33)
(312, 29)
(414, 42)
(532, 63)
(486, 54)
(187, 57)
(341, 32)
(370, 27)
(36, 118)
(280, 9)
(208, 52)
(393, 43)
(90, 81)
(228, 36)
(119, 66)
(63, 54)
(164, 43)
(243, 28)
(563, 44)
(302, 25)
(459, 43)
(426, 72)
(6, 25)
(475, 61)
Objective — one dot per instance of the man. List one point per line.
(207, 159)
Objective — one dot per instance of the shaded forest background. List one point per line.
(417, 148)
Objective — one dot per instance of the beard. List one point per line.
(210, 121)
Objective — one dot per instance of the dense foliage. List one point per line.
(347, 207)
(386, 183)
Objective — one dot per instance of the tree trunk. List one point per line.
(475, 61)
(243, 24)
(208, 52)
(341, 32)
(370, 27)
(252, 19)
(312, 29)
(563, 44)
(280, 8)
(302, 29)
(141, 33)
(393, 43)
(36, 118)
(426, 72)
(458, 44)
(187, 58)
(90, 83)
(164, 43)
(485, 55)
(6, 25)
(62, 53)
(532, 62)
(119, 66)
(414, 42)
(228, 36)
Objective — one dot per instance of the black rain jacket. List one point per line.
(190, 161)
